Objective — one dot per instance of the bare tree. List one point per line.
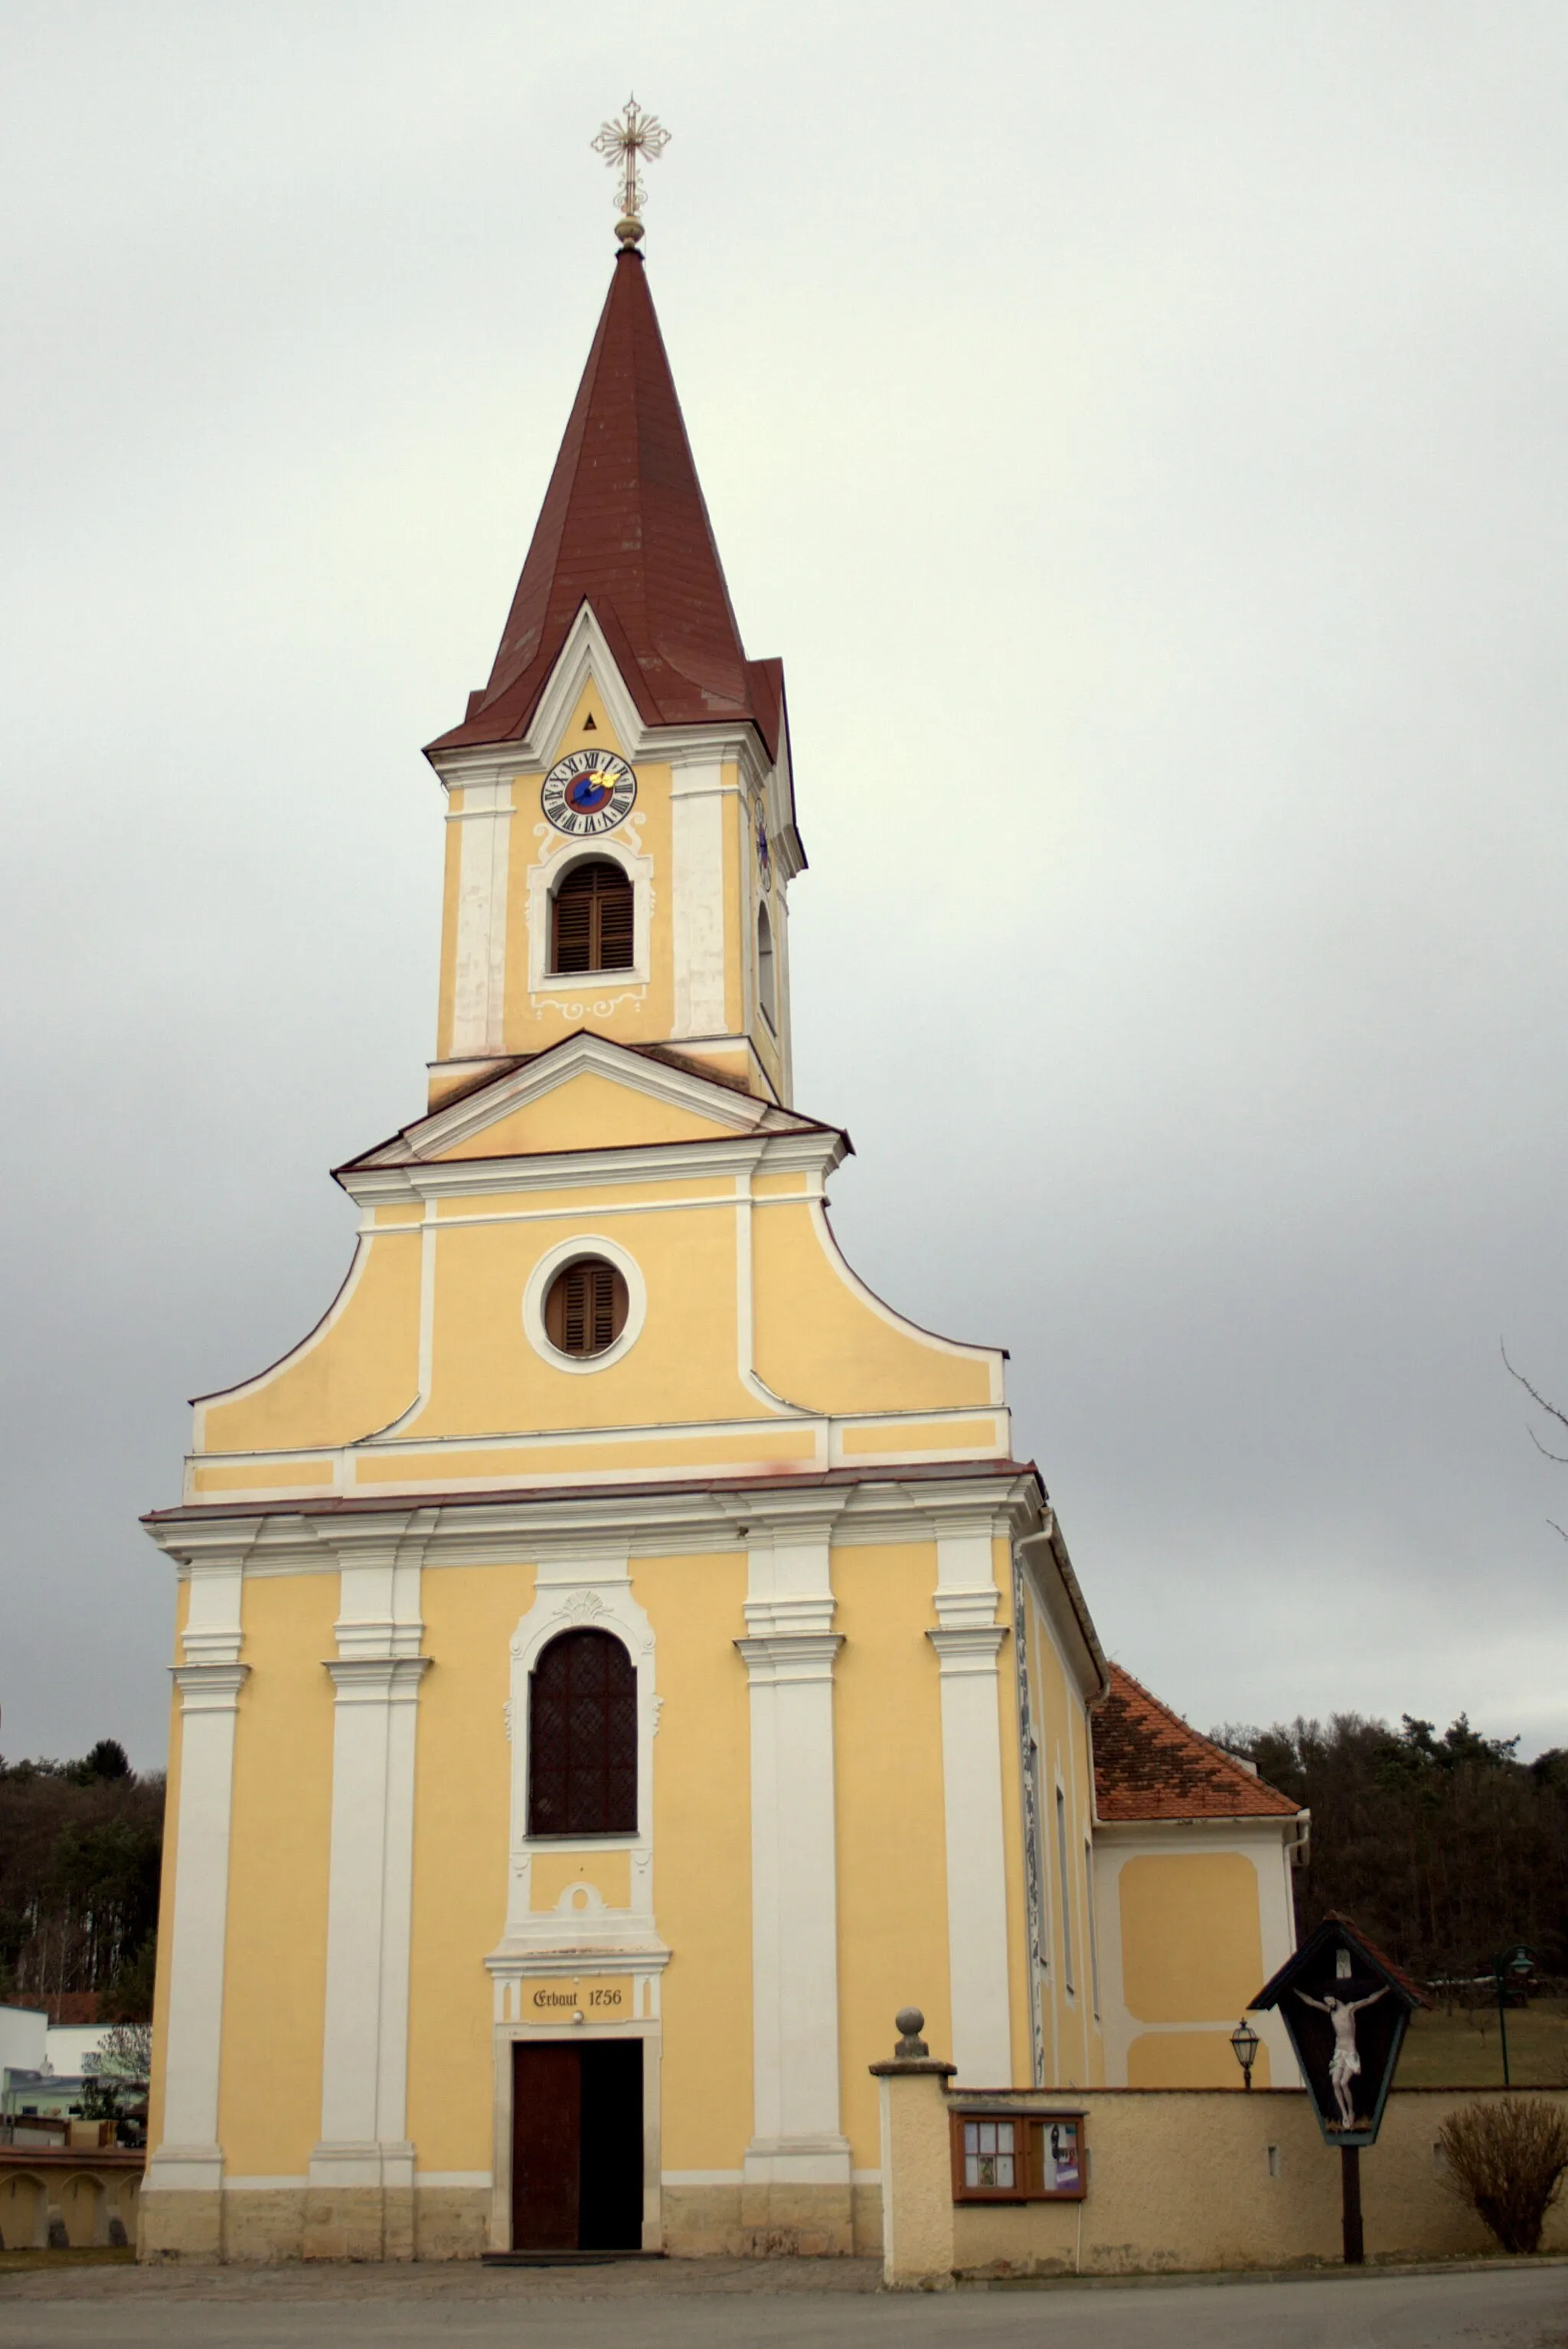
(1552, 1411)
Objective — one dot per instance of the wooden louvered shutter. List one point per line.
(572, 918)
(612, 900)
(585, 1311)
(591, 919)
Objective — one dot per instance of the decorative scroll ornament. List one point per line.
(623, 143)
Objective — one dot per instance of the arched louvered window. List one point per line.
(591, 919)
(582, 1738)
(585, 1311)
(766, 990)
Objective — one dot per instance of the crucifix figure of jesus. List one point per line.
(1345, 2063)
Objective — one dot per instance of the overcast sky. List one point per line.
(1139, 424)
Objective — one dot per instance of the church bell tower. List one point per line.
(621, 814)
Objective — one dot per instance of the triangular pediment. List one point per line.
(585, 1093)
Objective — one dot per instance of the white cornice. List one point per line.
(464, 1120)
(552, 1527)
(807, 1150)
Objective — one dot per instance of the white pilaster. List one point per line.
(697, 898)
(790, 1654)
(479, 979)
(968, 1643)
(376, 1675)
(208, 1681)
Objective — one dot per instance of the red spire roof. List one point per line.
(624, 527)
(1149, 1764)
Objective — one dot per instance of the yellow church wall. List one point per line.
(274, 1970)
(1020, 2034)
(821, 1343)
(889, 1807)
(598, 1194)
(779, 1186)
(284, 1475)
(920, 1435)
(702, 1865)
(588, 1112)
(463, 1795)
(166, 1882)
(613, 1003)
(1078, 1784)
(1190, 1940)
(769, 1448)
(487, 1377)
(1189, 2059)
(1075, 2049)
(356, 1372)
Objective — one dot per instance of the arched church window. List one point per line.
(582, 1738)
(766, 990)
(585, 1311)
(591, 926)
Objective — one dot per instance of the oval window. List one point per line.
(585, 1311)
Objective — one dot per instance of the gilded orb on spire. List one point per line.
(633, 133)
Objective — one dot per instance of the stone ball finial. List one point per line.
(630, 230)
(911, 2023)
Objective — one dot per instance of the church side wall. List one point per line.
(462, 1822)
(702, 1868)
(893, 1876)
(269, 2107)
(1074, 2051)
(1020, 2023)
(1193, 1919)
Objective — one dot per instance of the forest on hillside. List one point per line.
(1445, 1848)
(80, 1846)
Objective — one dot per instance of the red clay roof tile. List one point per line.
(624, 529)
(1148, 1764)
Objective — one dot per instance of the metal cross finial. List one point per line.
(621, 142)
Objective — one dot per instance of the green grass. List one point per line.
(1462, 2050)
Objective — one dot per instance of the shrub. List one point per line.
(1506, 2159)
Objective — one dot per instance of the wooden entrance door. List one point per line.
(577, 2145)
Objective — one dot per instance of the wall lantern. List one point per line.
(1244, 2045)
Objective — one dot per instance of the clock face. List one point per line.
(588, 791)
(764, 854)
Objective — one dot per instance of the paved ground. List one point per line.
(782, 2304)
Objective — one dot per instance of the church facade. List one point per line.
(620, 1658)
